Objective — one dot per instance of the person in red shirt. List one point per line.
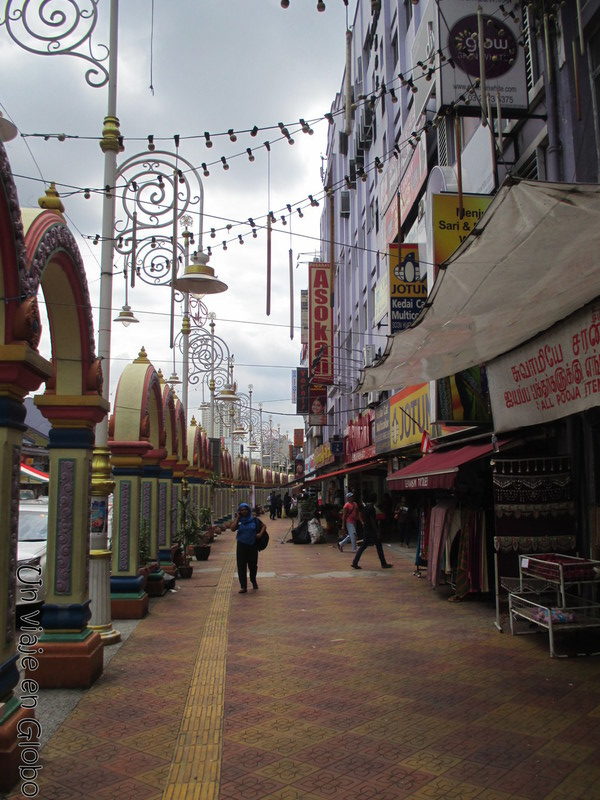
(350, 515)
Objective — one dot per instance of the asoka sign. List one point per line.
(320, 322)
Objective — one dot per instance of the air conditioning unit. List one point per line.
(344, 203)
(372, 399)
(369, 354)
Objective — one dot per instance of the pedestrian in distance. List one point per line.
(249, 529)
(287, 503)
(371, 534)
(272, 505)
(350, 515)
(278, 505)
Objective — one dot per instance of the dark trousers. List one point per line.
(247, 559)
(364, 546)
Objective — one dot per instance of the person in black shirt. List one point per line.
(371, 534)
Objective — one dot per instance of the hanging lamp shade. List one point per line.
(228, 394)
(174, 379)
(126, 316)
(198, 278)
(8, 130)
(239, 430)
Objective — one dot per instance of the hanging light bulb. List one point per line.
(285, 3)
(126, 316)
(320, 5)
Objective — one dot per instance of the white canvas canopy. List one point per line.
(533, 259)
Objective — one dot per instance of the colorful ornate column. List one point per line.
(21, 371)
(149, 516)
(129, 599)
(165, 515)
(70, 653)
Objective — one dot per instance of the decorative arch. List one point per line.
(180, 424)
(170, 420)
(138, 415)
(12, 251)
(54, 264)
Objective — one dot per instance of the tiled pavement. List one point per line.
(328, 683)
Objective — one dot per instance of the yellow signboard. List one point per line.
(409, 416)
(449, 228)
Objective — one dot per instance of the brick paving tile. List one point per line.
(327, 684)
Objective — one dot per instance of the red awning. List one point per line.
(436, 470)
(354, 468)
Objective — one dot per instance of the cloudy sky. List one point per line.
(214, 65)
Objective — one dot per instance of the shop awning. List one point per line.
(436, 470)
(33, 475)
(354, 468)
(532, 259)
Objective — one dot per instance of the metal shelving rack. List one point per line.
(539, 597)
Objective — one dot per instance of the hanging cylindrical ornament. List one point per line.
(291, 270)
(482, 83)
(133, 249)
(268, 265)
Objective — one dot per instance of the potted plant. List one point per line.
(189, 534)
(205, 534)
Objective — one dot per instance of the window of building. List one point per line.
(394, 48)
(408, 10)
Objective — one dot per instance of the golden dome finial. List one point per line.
(142, 357)
(51, 200)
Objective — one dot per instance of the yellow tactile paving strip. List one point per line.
(196, 766)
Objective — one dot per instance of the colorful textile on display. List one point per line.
(533, 495)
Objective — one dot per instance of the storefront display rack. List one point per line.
(560, 570)
(553, 610)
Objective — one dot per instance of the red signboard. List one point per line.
(359, 438)
(298, 437)
(320, 321)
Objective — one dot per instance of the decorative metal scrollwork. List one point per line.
(151, 184)
(58, 27)
(153, 257)
(207, 355)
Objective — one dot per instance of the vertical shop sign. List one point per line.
(381, 428)
(320, 321)
(408, 286)
(298, 437)
(294, 385)
(302, 391)
(304, 316)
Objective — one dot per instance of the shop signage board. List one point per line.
(323, 455)
(449, 230)
(320, 321)
(302, 390)
(358, 439)
(409, 416)
(381, 428)
(554, 375)
(408, 286)
(504, 58)
(309, 464)
(298, 437)
(294, 385)
(304, 316)
(464, 397)
(317, 414)
(413, 165)
(299, 467)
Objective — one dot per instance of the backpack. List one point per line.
(262, 541)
